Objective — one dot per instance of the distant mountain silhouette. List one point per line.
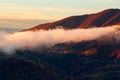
(104, 18)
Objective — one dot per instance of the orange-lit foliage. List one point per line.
(89, 51)
(117, 53)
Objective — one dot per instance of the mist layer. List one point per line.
(37, 39)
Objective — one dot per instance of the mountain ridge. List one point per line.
(104, 18)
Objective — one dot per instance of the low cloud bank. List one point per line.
(34, 39)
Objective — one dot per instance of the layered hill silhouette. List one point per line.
(104, 18)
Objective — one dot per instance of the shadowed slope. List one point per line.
(14, 69)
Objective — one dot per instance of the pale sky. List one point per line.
(27, 13)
